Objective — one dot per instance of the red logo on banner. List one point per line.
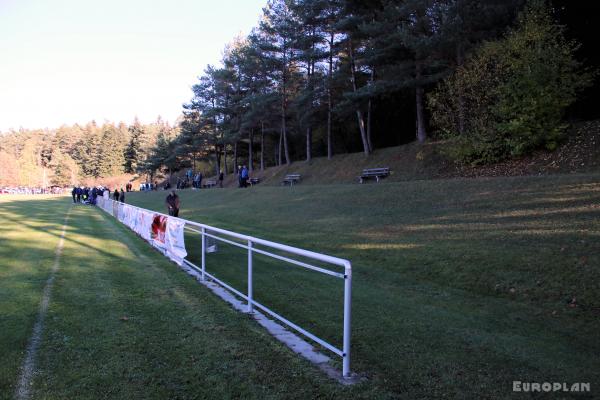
(159, 226)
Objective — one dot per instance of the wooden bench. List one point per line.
(291, 179)
(209, 183)
(376, 173)
(254, 181)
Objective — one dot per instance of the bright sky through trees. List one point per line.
(68, 61)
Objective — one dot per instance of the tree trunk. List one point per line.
(359, 114)
(284, 132)
(461, 97)
(217, 160)
(279, 155)
(235, 158)
(369, 126)
(250, 152)
(369, 111)
(284, 107)
(308, 144)
(329, 97)
(262, 146)
(421, 132)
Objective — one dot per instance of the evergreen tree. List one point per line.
(132, 153)
(278, 29)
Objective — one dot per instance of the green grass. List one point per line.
(460, 287)
(28, 236)
(177, 341)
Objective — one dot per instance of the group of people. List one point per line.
(86, 195)
(197, 182)
(119, 196)
(243, 176)
(148, 186)
(189, 179)
(31, 190)
(183, 183)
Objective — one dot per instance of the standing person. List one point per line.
(79, 192)
(221, 179)
(74, 193)
(122, 196)
(239, 173)
(116, 195)
(244, 175)
(172, 202)
(199, 180)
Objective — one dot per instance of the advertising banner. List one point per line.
(159, 227)
(165, 233)
(174, 240)
(145, 219)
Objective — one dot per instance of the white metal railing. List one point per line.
(208, 231)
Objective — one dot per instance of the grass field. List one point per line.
(460, 288)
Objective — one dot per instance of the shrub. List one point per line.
(511, 95)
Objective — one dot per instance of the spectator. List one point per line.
(221, 179)
(239, 174)
(116, 195)
(74, 193)
(122, 196)
(172, 202)
(244, 176)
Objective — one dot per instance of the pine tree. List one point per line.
(132, 152)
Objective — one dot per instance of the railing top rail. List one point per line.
(290, 249)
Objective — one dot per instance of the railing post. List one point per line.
(347, 319)
(250, 289)
(203, 230)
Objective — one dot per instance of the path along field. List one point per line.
(460, 288)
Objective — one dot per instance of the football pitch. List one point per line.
(461, 287)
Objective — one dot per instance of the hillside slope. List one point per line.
(579, 153)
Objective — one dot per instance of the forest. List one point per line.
(493, 79)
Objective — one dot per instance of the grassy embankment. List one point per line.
(579, 153)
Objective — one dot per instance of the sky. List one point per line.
(73, 61)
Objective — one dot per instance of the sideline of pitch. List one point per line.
(27, 369)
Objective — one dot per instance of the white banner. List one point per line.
(163, 232)
(159, 230)
(127, 218)
(121, 213)
(145, 224)
(174, 241)
(133, 218)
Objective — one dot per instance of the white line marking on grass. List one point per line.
(28, 367)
